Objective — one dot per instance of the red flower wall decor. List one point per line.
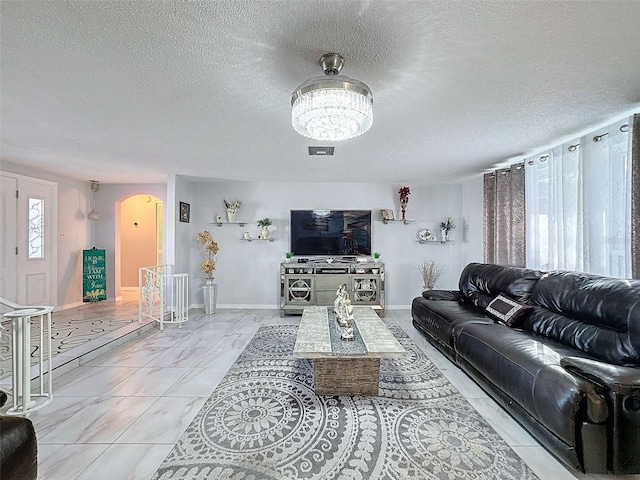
(404, 199)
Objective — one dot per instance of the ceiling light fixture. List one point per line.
(93, 214)
(333, 107)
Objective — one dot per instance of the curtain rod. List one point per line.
(623, 128)
(572, 148)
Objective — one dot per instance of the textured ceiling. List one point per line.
(131, 91)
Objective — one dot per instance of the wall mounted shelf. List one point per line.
(406, 222)
(251, 239)
(219, 224)
(436, 242)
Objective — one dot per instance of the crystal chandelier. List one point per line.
(331, 107)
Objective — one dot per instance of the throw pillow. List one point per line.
(507, 311)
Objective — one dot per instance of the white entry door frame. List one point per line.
(31, 242)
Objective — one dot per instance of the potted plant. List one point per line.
(376, 256)
(232, 209)
(446, 227)
(430, 272)
(264, 223)
(288, 256)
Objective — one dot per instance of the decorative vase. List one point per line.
(231, 215)
(265, 233)
(403, 208)
(443, 234)
(210, 292)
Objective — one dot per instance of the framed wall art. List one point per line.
(185, 212)
(386, 214)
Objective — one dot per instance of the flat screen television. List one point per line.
(331, 232)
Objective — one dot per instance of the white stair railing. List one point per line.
(163, 295)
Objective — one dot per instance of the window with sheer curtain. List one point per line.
(579, 204)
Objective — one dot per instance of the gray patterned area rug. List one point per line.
(264, 421)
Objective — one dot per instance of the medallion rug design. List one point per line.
(264, 421)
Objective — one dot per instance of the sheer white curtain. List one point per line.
(578, 204)
(554, 239)
(605, 180)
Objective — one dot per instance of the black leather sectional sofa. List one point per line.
(568, 369)
(18, 447)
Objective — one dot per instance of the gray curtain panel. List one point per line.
(504, 216)
(489, 231)
(635, 196)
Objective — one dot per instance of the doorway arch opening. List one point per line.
(140, 238)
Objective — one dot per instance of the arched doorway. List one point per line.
(141, 227)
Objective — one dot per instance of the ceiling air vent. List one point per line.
(321, 150)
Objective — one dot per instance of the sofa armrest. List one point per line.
(618, 379)
(18, 449)
(449, 295)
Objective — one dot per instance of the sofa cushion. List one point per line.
(447, 295)
(507, 311)
(441, 318)
(597, 315)
(480, 283)
(526, 367)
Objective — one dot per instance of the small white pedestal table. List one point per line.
(24, 400)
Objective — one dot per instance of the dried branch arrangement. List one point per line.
(431, 272)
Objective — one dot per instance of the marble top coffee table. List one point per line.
(345, 367)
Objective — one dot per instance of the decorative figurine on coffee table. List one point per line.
(344, 310)
(347, 334)
(339, 301)
(340, 305)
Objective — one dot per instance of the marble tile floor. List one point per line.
(118, 414)
(76, 331)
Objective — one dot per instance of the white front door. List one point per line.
(8, 238)
(34, 222)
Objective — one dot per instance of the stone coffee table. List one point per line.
(345, 367)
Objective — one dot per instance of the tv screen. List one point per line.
(331, 232)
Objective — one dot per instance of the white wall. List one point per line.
(473, 214)
(182, 190)
(248, 273)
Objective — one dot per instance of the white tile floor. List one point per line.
(118, 415)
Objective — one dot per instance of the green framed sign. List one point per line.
(94, 276)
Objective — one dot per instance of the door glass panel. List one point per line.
(36, 228)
